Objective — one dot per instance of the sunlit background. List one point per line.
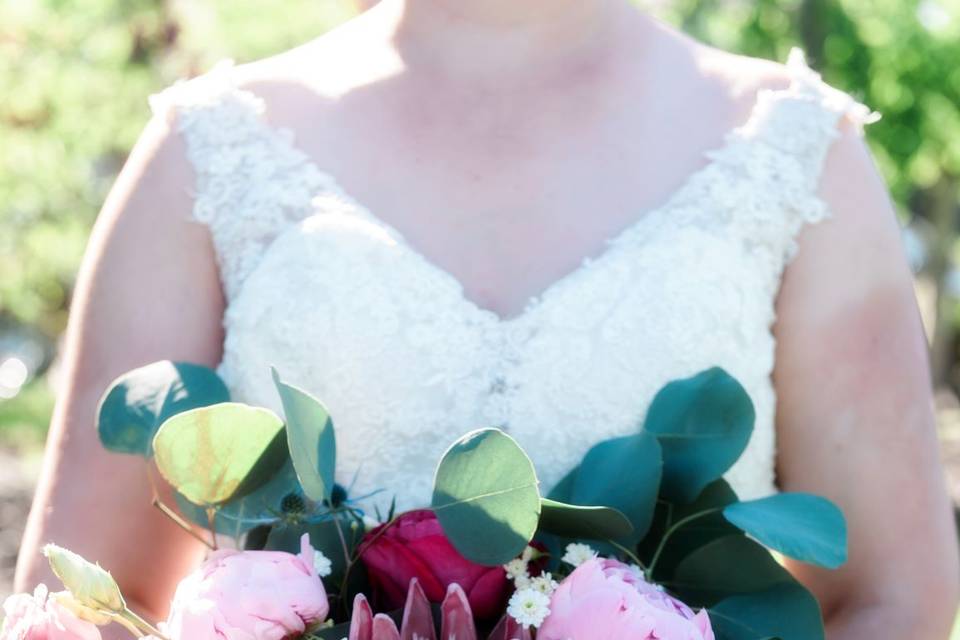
(74, 80)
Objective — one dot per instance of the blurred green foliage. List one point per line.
(75, 76)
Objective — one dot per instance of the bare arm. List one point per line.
(855, 417)
(148, 290)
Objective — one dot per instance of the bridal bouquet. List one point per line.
(642, 540)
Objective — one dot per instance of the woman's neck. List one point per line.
(505, 42)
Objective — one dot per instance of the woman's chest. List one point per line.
(405, 362)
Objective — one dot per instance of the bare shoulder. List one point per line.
(322, 70)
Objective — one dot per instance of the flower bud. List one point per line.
(90, 585)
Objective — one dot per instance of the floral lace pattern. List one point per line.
(336, 299)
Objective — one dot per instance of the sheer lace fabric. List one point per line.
(336, 299)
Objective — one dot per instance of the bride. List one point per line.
(444, 215)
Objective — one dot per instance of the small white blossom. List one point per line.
(522, 582)
(544, 583)
(516, 568)
(529, 607)
(322, 564)
(577, 553)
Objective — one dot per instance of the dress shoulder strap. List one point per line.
(251, 182)
(773, 163)
(802, 120)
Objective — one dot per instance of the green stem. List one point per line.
(180, 522)
(212, 521)
(673, 529)
(363, 546)
(627, 552)
(343, 540)
(126, 624)
(138, 622)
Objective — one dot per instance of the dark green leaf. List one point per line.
(138, 402)
(216, 454)
(574, 521)
(310, 438)
(623, 474)
(786, 611)
(727, 566)
(703, 424)
(803, 526)
(689, 534)
(324, 537)
(486, 497)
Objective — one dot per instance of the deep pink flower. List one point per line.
(605, 599)
(244, 595)
(415, 547)
(40, 617)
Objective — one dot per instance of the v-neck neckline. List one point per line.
(610, 248)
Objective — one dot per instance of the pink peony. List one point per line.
(249, 595)
(39, 617)
(605, 599)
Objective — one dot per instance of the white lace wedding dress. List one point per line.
(331, 295)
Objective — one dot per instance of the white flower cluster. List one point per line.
(576, 554)
(530, 603)
(322, 564)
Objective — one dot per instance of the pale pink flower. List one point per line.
(605, 599)
(40, 617)
(249, 595)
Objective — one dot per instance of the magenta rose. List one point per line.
(239, 595)
(414, 546)
(40, 617)
(605, 599)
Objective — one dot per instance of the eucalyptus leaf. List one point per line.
(310, 438)
(786, 611)
(623, 474)
(486, 497)
(575, 521)
(703, 424)
(216, 454)
(691, 525)
(728, 566)
(139, 401)
(803, 526)
(261, 507)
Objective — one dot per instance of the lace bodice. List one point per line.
(336, 299)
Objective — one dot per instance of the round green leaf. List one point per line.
(215, 454)
(310, 438)
(575, 521)
(727, 566)
(486, 497)
(262, 506)
(139, 401)
(786, 611)
(623, 474)
(803, 526)
(703, 424)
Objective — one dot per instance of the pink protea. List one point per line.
(238, 595)
(40, 617)
(605, 599)
(456, 619)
